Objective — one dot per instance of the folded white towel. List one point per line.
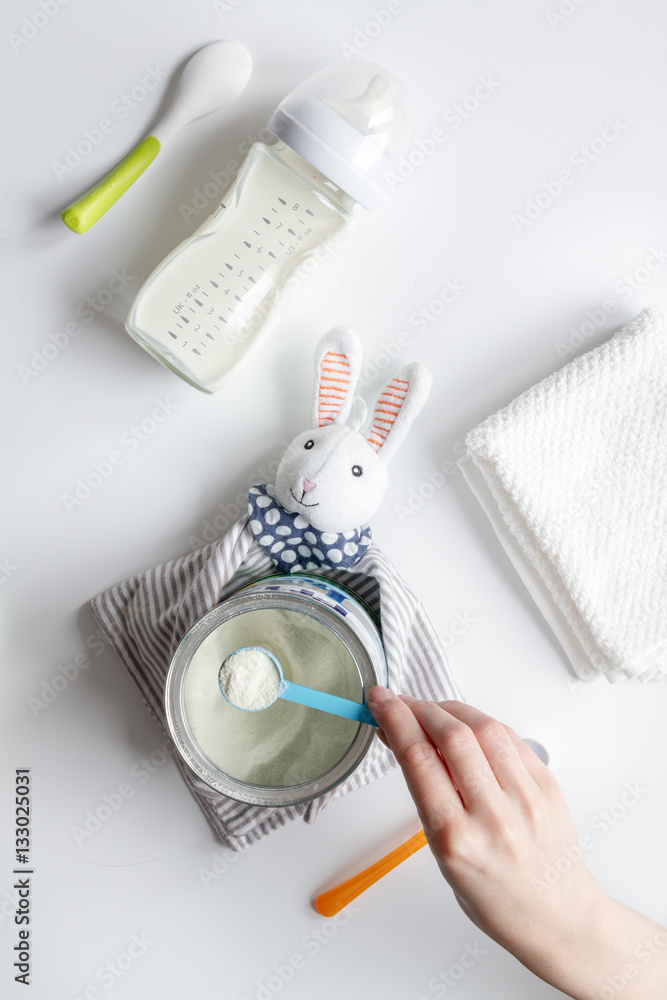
(573, 476)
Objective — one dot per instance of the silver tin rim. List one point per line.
(370, 672)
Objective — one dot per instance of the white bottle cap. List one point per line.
(353, 122)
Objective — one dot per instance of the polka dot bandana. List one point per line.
(294, 544)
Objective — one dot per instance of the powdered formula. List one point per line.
(286, 744)
(250, 680)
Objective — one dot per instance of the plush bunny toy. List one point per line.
(332, 478)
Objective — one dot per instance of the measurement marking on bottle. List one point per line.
(245, 256)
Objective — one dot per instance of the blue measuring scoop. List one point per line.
(300, 695)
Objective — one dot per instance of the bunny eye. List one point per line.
(356, 470)
(309, 444)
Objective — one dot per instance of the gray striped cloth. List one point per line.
(145, 618)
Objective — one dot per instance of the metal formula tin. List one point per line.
(261, 765)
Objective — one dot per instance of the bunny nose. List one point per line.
(308, 486)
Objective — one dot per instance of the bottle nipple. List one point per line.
(371, 112)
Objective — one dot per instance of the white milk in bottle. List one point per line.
(339, 135)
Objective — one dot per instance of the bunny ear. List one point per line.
(337, 370)
(399, 403)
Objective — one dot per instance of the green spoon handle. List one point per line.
(86, 210)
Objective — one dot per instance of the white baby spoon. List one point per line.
(212, 78)
(251, 679)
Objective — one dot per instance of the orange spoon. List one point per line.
(331, 902)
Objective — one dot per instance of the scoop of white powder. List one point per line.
(249, 679)
(289, 744)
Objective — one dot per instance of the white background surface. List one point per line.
(452, 219)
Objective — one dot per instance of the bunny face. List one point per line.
(333, 477)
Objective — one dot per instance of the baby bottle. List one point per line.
(205, 309)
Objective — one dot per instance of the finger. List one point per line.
(537, 769)
(383, 739)
(428, 781)
(466, 761)
(500, 750)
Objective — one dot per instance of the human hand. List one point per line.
(504, 839)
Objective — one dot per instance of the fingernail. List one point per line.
(408, 699)
(379, 695)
